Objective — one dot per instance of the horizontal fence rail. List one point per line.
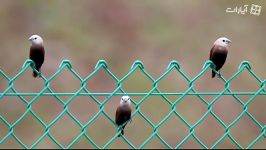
(83, 91)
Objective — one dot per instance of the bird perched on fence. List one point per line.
(123, 113)
(219, 52)
(36, 53)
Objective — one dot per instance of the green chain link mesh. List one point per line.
(137, 65)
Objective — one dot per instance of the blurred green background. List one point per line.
(120, 32)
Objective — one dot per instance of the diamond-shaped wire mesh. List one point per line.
(68, 127)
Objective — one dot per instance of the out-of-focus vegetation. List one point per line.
(120, 32)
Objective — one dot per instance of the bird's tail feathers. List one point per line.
(35, 74)
(213, 74)
(122, 131)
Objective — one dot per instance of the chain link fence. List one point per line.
(8, 128)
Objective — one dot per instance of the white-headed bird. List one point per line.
(219, 52)
(36, 53)
(123, 113)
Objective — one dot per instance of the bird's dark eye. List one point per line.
(223, 40)
(35, 38)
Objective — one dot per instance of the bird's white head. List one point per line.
(36, 40)
(222, 41)
(125, 100)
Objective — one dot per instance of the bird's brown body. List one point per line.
(218, 56)
(37, 56)
(123, 114)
